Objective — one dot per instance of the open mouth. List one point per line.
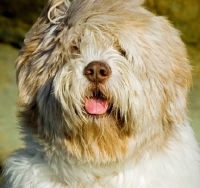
(97, 104)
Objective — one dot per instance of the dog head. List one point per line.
(103, 79)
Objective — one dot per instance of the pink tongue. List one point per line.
(96, 106)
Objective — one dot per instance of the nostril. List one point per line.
(89, 72)
(103, 72)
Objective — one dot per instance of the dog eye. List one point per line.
(75, 49)
(122, 52)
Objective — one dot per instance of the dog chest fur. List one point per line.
(157, 170)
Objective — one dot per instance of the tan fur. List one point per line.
(154, 102)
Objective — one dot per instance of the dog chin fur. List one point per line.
(143, 140)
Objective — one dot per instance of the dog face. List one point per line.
(102, 82)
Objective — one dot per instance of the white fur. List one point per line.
(160, 170)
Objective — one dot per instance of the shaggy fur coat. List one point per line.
(102, 100)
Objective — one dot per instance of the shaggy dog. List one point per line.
(103, 98)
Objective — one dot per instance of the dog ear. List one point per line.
(37, 60)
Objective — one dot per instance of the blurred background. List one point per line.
(16, 18)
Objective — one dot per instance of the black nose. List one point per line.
(97, 71)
